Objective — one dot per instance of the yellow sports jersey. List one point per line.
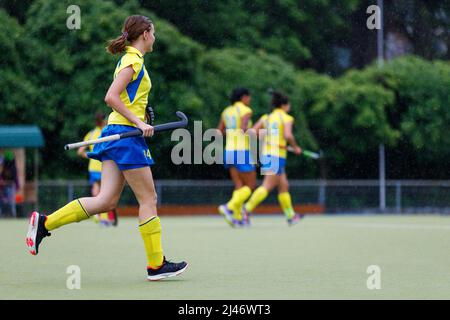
(232, 118)
(136, 93)
(275, 143)
(94, 165)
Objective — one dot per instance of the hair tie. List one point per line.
(125, 35)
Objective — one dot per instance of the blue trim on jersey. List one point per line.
(133, 86)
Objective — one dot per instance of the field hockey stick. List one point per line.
(306, 153)
(182, 123)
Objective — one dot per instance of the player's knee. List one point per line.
(148, 199)
(107, 203)
(238, 185)
(283, 188)
(153, 199)
(110, 206)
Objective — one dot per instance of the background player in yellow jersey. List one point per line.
(234, 121)
(278, 125)
(122, 160)
(95, 170)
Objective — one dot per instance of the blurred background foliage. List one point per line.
(320, 53)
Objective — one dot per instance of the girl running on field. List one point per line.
(278, 125)
(234, 121)
(122, 160)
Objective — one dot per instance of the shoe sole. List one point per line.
(293, 223)
(166, 275)
(244, 213)
(224, 214)
(31, 234)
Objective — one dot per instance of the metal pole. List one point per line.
(398, 196)
(380, 37)
(322, 193)
(70, 191)
(382, 178)
(380, 53)
(159, 194)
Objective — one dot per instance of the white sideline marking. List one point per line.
(395, 226)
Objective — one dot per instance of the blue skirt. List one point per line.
(94, 176)
(240, 159)
(127, 153)
(272, 165)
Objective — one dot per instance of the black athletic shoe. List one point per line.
(167, 270)
(36, 232)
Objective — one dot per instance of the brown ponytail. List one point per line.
(133, 27)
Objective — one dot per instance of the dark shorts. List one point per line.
(128, 153)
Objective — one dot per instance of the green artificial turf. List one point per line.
(323, 257)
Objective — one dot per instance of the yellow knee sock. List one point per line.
(151, 234)
(233, 198)
(239, 197)
(284, 199)
(257, 197)
(71, 212)
(232, 205)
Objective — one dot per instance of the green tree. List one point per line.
(57, 78)
(73, 70)
(15, 86)
(420, 111)
(349, 121)
(16, 8)
(303, 33)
